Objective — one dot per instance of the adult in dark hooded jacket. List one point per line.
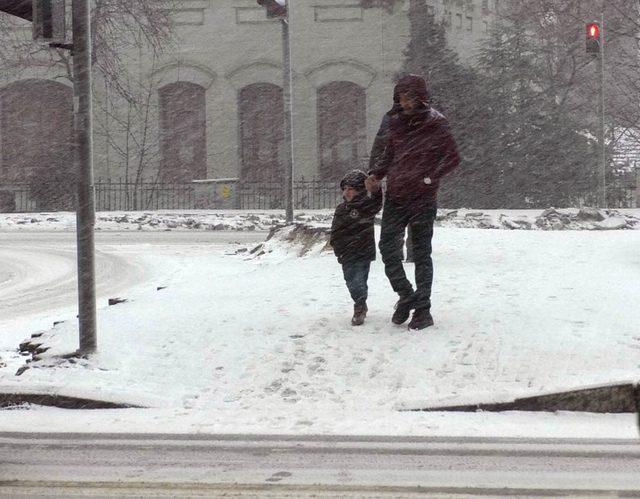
(419, 151)
(380, 140)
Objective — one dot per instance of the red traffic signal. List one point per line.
(276, 9)
(593, 38)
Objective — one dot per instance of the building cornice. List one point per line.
(183, 71)
(341, 70)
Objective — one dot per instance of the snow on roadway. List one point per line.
(234, 344)
(41, 281)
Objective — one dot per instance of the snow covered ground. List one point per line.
(262, 344)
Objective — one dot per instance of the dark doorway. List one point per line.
(261, 117)
(36, 130)
(341, 128)
(183, 132)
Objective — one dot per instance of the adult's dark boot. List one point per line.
(421, 319)
(403, 309)
(359, 313)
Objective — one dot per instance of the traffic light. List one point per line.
(276, 9)
(49, 21)
(593, 39)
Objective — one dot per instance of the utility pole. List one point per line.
(601, 127)
(287, 92)
(281, 9)
(48, 23)
(595, 47)
(85, 210)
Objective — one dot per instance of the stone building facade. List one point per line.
(215, 96)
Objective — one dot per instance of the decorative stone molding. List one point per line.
(187, 17)
(255, 72)
(333, 13)
(35, 76)
(183, 71)
(341, 70)
(190, 4)
(252, 15)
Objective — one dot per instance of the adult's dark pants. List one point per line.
(356, 274)
(395, 219)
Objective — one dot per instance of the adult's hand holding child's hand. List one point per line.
(372, 183)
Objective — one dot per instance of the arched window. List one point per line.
(341, 128)
(36, 126)
(183, 132)
(261, 132)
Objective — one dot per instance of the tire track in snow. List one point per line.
(41, 277)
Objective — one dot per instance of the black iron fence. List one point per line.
(623, 190)
(307, 194)
(146, 195)
(112, 195)
(119, 195)
(16, 198)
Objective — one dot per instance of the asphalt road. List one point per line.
(314, 466)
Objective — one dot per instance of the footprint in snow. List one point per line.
(290, 395)
(277, 477)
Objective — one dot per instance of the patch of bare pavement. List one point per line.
(314, 466)
(609, 399)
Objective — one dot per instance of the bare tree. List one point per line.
(126, 125)
(119, 28)
(124, 32)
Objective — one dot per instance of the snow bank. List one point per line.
(550, 219)
(298, 239)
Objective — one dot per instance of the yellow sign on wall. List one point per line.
(226, 191)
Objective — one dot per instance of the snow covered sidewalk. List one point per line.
(264, 344)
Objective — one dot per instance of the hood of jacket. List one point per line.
(413, 85)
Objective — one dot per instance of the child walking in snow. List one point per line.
(352, 236)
